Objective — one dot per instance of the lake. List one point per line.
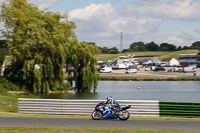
(187, 91)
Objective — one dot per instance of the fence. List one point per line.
(82, 107)
(181, 109)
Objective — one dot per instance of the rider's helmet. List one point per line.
(109, 100)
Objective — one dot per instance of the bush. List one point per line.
(6, 85)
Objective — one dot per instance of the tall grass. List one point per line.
(53, 130)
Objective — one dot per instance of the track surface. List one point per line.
(89, 123)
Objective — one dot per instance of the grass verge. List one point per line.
(5, 114)
(9, 104)
(160, 54)
(121, 78)
(53, 130)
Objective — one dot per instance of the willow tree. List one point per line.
(38, 41)
(82, 66)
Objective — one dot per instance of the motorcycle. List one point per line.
(103, 110)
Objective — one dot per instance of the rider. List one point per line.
(112, 102)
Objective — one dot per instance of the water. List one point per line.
(187, 91)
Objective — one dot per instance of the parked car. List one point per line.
(189, 69)
(170, 70)
(178, 69)
(147, 68)
(159, 69)
(106, 70)
(131, 69)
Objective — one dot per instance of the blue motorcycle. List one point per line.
(103, 110)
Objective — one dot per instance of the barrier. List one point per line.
(82, 107)
(180, 109)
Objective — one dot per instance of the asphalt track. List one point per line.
(106, 124)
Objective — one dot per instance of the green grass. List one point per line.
(53, 130)
(8, 108)
(105, 57)
(160, 54)
(5, 114)
(177, 53)
(6, 85)
(9, 102)
(149, 78)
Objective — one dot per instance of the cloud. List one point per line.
(102, 21)
(92, 10)
(140, 20)
(1, 1)
(167, 9)
(197, 30)
(42, 4)
(175, 40)
(94, 18)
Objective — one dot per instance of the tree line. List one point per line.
(42, 44)
(152, 46)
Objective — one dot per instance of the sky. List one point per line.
(101, 21)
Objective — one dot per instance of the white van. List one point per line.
(189, 69)
(106, 70)
(131, 69)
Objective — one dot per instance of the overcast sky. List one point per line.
(101, 21)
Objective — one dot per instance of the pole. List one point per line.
(121, 41)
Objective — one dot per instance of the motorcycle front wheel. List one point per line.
(96, 115)
(124, 115)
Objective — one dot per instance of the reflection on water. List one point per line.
(141, 90)
(70, 96)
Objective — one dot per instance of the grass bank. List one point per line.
(53, 130)
(105, 57)
(9, 102)
(9, 108)
(121, 78)
(160, 54)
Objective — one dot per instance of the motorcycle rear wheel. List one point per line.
(124, 115)
(96, 115)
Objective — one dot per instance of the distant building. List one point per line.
(170, 62)
(189, 59)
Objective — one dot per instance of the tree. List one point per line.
(38, 42)
(167, 47)
(105, 50)
(41, 43)
(195, 45)
(127, 50)
(82, 60)
(2, 43)
(2, 57)
(138, 46)
(152, 46)
(113, 50)
(179, 48)
(185, 48)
